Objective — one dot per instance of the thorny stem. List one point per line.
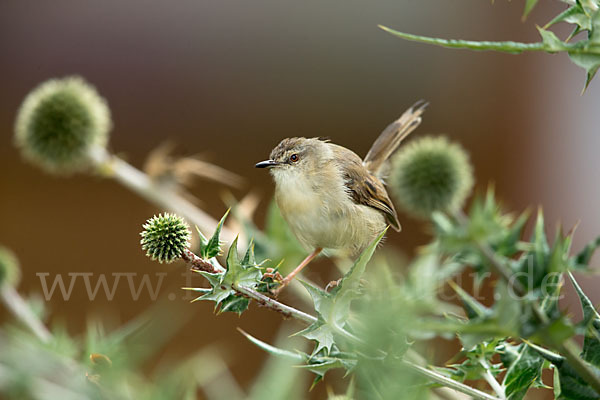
(489, 378)
(21, 310)
(567, 348)
(200, 264)
(451, 383)
(196, 262)
(274, 304)
(141, 184)
(506, 46)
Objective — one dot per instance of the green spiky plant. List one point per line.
(373, 331)
(376, 325)
(584, 15)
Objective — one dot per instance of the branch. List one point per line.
(21, 310)
(268, 302)
(491, 380)
(140, 183)
(506, 47)
(199, 264)
(450, 383)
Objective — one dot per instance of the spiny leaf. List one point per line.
(552, 42)
(333, 308)
(233, 260)
(218, 294)
(321, 331)
(539, 236)
(583, 258)
(319, 297)
(322, 334)
(529, 5)
(234, 303)
(249, 258)
(321, 368)
(213, 279)
(570, 384)
(213, 246)
(274, 350)
(591, 320)
(573, 15)
(203, 242)
(473, 308)
(238, 274)
(351, 280)
(522, 373)
(508, 246)
(589, 62)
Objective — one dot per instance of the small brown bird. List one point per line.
(331, 199)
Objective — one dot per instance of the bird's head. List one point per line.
(296, 156)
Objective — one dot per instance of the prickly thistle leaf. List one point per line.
(165, 237)
(59, 122)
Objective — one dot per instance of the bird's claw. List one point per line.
(274, 275)
(332, 284)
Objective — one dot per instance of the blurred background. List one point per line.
(229, 79)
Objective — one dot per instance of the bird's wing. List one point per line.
(391, 137)
(365, 188)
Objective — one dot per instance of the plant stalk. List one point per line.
(21, 310)
(489, 378)
(450, 383)
(167, 198)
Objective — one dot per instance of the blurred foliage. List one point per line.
(431, 174)
(371, 323)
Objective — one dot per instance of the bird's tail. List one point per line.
(389, 140)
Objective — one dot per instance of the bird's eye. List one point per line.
(294, 158)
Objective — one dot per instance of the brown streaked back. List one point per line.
(363, 187)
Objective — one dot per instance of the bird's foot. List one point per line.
(332, 284)
(272, 277)
(273, 274)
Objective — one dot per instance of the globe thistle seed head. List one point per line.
(59, 122)
(431, 174)
(165, 237)
(10, 274)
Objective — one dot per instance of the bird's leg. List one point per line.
(296, 270)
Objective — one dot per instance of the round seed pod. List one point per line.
(431, 174)
(165, 237)
(59, 122)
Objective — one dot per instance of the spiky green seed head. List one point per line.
(165, 237)
(59, 122)
(10, 274)
(431, 174)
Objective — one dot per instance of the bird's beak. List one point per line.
(267, 164)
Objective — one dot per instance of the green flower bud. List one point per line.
(59, 122)
(165, 237)
(10, 274)
(431, 174)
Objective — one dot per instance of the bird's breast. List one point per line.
(321, 214)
